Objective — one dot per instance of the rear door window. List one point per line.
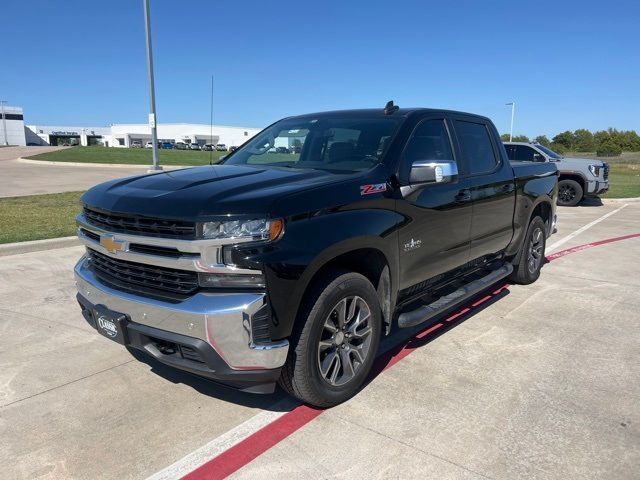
(511, 155)
(524, 153)
(476, 145)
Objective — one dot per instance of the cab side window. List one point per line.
(476, 146)
(429, 141)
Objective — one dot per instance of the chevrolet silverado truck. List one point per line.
(578, 177)
(289, 267)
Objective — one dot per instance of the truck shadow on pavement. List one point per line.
(399, 344)
(590, 202)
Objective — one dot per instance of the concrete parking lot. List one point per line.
(539, 381)
(20, 178)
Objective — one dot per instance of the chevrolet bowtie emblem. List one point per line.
(111, 244)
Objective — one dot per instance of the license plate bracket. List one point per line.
(110, 324)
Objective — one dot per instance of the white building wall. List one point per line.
(14, 134)
(182, 132)
(46, 132)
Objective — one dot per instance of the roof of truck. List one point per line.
(374, 112)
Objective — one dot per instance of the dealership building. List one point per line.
(123, 135)
(12, 126)
(116, 135)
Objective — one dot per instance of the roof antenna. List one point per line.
(390, 108)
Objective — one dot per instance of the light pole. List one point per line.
(4, 123)
(152, 90)
(513, 110)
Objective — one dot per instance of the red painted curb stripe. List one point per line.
(270, 435)
(253, 446)
(579, 248)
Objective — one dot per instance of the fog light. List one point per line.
(231, 280)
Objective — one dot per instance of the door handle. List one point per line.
(463, 196)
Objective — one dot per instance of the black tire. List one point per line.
(301, 375)
(569, 193)
(532, 256)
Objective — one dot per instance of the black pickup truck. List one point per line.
(288, 262)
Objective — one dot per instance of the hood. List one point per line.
(193, 193)
(580, 162)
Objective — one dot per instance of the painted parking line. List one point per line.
(235, 449)
(572, 235)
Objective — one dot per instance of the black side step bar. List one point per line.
(427, 312)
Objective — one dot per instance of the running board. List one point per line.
(427, 312)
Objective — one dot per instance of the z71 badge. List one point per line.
(373, 188)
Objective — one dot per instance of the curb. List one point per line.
(17, 248)
(615, 200)
(102, 165)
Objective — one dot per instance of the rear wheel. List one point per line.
(335, 343)
(569, 193)
(532, 257)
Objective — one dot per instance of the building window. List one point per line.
(120, 141)
(246, 134)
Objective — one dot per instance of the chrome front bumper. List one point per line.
(223, 320)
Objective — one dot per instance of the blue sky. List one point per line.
(568, 65)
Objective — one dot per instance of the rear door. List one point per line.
(435, 237)
(490, 182)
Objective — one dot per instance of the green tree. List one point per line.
(504, 137)
(521, 138)
(630, 141)
(565, 139)
(583, 141)
(609, 148)
(542, 140)
(558, 147)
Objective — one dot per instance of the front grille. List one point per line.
(146, 278)
(605, 175)
(135, 225)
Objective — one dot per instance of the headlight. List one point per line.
(243, 229)
(595, 170)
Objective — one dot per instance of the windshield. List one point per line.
(549, 152)
(337, 143)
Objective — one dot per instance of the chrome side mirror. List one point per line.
(430, 171)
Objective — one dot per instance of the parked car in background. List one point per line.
(578, 177)
(249, 273)
(166, 145)
(221, 147)
(180, 146)
(148, 145)
(233, 148)
(282, 150)
(194, 146)
(136, 144)
(208, 147)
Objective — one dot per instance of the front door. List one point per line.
(435, 237)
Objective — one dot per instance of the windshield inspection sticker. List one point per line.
(373, 188)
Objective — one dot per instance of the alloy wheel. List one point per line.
(567, 193)
(345, 340)
(536, 250)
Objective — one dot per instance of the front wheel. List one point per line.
(532, 256)
(336, 340)
(569, 193)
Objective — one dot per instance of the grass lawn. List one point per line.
(36, 217)
(134, 156)
(624, 176)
